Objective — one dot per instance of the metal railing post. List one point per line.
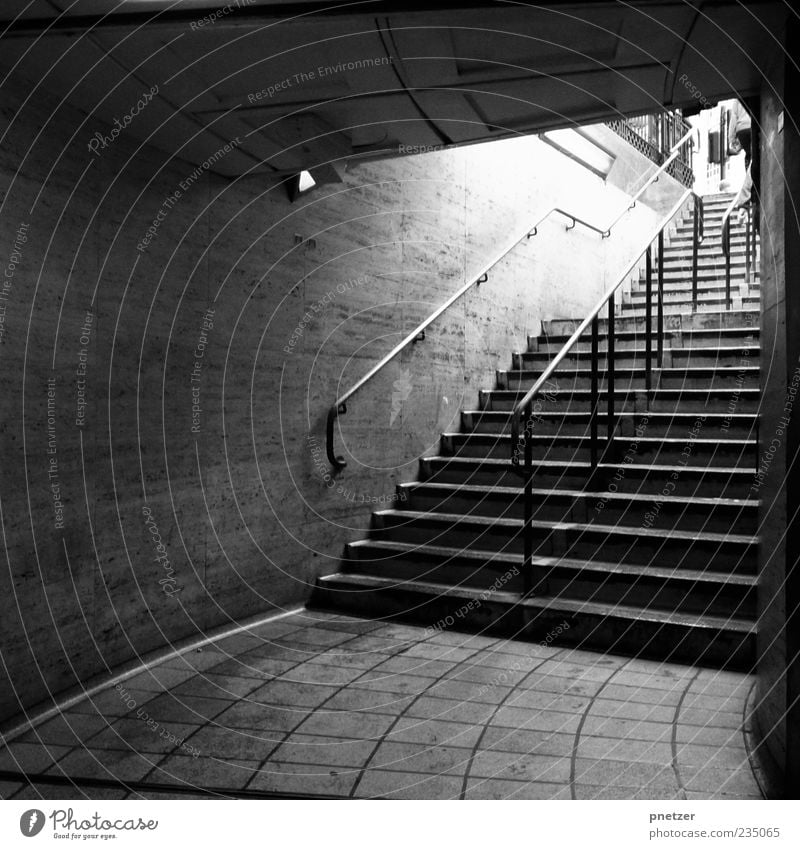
(695, 242)
(660, 318)
(610, 372)
(527, 566)
(648, 320)
(748, 228)
(595, 400)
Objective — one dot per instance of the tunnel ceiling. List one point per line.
(298, 84)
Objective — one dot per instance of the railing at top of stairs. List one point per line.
(418, 334)
(749, 250)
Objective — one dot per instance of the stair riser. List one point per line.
(635, 480)
(633, 402)
(721, 427)
(716, 648)
(590, 508)
(650, 592)
(723, 318)
(708, 306)
(717, 454)
(686, 339)
(579, 544)
(706, 357)
(626, 382)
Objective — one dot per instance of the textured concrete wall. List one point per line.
(165, 392)
(778, 482)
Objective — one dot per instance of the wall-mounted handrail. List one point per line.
(340, 406)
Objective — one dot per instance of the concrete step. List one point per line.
(707, 305)
(725, 552)
(655, 450)
(679, 321)
(658, 400)
(694, 377)
(718, 642)
(692, 481)
(728, 425)
(664, 512)
(724, 337)
(649, 587)
(733, 355)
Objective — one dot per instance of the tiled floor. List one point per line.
(316, 704)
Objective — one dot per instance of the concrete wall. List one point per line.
(778, 481)
(131, 520)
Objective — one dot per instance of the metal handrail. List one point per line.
(340, 406)
(674, 153)
(725, 239)
(556, 361)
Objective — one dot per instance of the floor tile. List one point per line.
(520, 767)
(415, 757)
(30, 757)
(386, 784)
(435, 732)
(141, 736)
(205, 772)
(279, 777)
(350, 726)
(324, 751)
(492, 788)
(106, 764)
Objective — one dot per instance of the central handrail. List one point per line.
(584, 325)
(340, 406)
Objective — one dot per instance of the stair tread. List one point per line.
(742, 626)
(585, 465)
(564, 562)
(556, 414)
(460, 518)
(588, 493)
(574, 437)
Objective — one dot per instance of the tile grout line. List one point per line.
(674, 739)
(576, 743)
(365, 767)
(500, 704)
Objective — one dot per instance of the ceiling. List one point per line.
(303, 83)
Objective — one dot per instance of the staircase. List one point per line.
(655, 553)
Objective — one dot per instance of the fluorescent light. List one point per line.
(580, 148)
(306, 182)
